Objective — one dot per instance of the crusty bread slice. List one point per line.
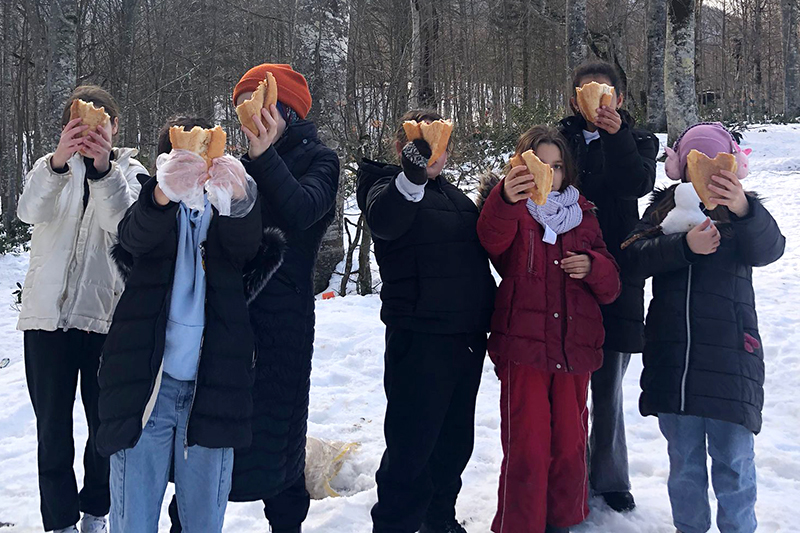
(412, 129)
(208, 143)
(700, 168)
(437, 135)
(265, 95)
(592, 96)
(542, 175)
(89, 114)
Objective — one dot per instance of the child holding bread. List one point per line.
(546, 332)
(177, 369)
(74, 197)
(703, 359)
(617, 165)
(436, 302)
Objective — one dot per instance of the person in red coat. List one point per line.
(546, 336)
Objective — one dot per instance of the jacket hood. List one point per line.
(369, 172)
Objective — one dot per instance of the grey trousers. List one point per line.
(608, 449)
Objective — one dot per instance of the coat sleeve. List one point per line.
(498, 223)
(146, 224)
(298, 202)
(241, 237)
(603, 279)
(114, 193)
(758, 237)
(389, 214)
(42, 187)
(629, 167)
(655, 253)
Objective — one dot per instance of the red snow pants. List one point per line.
(544, 478)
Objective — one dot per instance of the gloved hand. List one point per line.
(229, 188)
(414, 160)
(181, 175)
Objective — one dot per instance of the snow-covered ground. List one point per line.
(347, 401)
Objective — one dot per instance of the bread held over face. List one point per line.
(700, 168)
(265, 95)
(436, 134)
(542, 175)
(592, 96)
(207, 143)
(89, 114)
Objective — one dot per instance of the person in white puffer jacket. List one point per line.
(74, 198)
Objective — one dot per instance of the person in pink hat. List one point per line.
(703, 359)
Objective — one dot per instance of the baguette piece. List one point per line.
(592, 96)
(89, 114)
(436, 134)
(208, 143)
(265, 95)
(542, 175)
(700, 168)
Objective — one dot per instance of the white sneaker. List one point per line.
(93, 524)
(70, 529)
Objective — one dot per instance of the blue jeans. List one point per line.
(139, 475)
(733, 473)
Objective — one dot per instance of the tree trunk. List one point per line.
(791, 59)
(681, 98)
(425, 31)
(62, 44)
(364, 260)
(656, 44)
(577, 48)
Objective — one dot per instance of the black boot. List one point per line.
(296, 529)
(554, 529)
(621, 502)
(450, 526)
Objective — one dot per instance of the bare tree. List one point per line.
(425, 33)
(577, 49)
(62, 23)
(681, 98)
(656, 46)
(791, 59)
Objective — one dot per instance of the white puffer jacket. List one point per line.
(72, 281)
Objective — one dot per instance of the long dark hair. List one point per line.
(538, 135)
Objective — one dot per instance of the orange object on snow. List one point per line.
(329, 295)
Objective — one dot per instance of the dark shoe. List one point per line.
(621, 502)
(554, 529)
(451, 526)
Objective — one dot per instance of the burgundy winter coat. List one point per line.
(543, 317)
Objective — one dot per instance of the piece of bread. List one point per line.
(89, 114)
(265, 95)
(436, 134)
(700, 168)
(592, 96)
(542, 175)
(208, 143)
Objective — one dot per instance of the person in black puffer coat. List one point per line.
(177, 367)
(703, 358)
(617, 164)
(438, 297)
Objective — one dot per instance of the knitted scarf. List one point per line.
(560, 214)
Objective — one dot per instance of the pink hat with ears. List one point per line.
(709, 138)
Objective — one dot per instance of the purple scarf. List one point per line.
(560, 214)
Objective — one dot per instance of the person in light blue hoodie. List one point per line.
(177, 369)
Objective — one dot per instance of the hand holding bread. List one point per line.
(71, 141)
(517, 183)
(264, 136)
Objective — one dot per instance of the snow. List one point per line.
(347, 401)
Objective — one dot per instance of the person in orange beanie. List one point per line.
(297, 178)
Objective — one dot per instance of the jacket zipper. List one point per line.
(62, 321)
(78, 271)
(688, 340)
(564, 319)
(448, 200)
(531, 256)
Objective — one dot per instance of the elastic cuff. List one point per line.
(62, 170)
(410, 191)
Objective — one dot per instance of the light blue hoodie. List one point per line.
(187, 311)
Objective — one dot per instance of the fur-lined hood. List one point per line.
(256, 274)
(489, 181)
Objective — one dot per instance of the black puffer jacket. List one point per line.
(435, 272)
(297, 180)
(615, 172)
(134, 350)
(696, 360)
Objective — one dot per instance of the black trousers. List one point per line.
(431, 386)
(53, 362)
(285, 511)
